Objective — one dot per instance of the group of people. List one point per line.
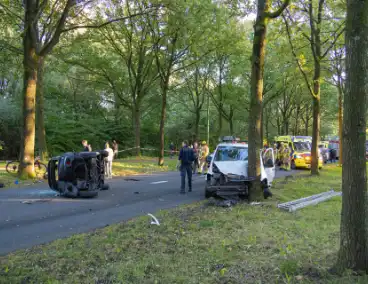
(284, 154)
(192, 159)
(112, 153)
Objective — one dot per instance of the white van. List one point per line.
(228, 170)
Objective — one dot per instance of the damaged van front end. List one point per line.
(228, 171)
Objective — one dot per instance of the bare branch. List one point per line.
(296, 57)
(279, 11)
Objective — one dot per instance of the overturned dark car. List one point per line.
(80, 174)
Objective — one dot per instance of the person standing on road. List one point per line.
(196, 160)
(203, 159)
(115, 148)
(108, 161)
(186, 158)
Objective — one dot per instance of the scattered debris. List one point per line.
(154, 220)
(136, 192)
(222, 203)
(131, 179)
(255, 203)
(294, 205)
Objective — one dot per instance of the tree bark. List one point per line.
(353, 253)
(30, 65)
(255, 114)
(40, 115)
(316, 118)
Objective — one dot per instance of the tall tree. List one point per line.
(264, 15)
(320, 47)
(353, 252)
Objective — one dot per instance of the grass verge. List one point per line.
(200, 244)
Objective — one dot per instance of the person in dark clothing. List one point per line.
(196, 158)
(333, 155)
(86, 146)
(186, 157)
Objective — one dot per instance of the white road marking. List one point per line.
(158, 182)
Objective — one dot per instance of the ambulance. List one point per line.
(301, 150)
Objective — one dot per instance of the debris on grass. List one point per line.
(154, 220)
(294, 205)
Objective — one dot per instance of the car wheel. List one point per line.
(293, 166)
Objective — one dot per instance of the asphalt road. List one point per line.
(35, 215)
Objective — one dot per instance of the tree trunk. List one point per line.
(306, 123)
(340, 118)
(30, 62)
(196, 126)
(219, 130)
(231, 120)
(137, 128)
(353, 252)
(40, 116)
(162, 123)
(316, 122)
(296, 128)
(255, 112)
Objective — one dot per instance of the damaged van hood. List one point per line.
(233, 167)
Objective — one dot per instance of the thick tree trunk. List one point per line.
(255, 113)
(137, 128)
(316, 123)
(30, 62)
(40, 115)
(340, 118)
(353, 252)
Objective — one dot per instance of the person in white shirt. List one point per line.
(108, 161)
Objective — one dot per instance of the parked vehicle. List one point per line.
(301, 149)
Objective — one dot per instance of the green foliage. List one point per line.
(96, 78)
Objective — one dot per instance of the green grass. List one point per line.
(199, 243)
(142, 165)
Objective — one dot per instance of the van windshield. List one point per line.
(301, 146)
(231, 153)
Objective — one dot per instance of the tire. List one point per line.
(208, 194)
(12, 167)
(293, 166)
(40, 170)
